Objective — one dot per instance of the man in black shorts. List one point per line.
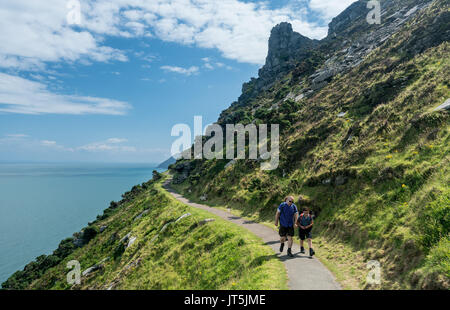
(305, 223)
(287, 215)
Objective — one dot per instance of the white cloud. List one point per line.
(116, 140)
(55, 146)
(329, 8)
(36, 32)
(19, 95)
(180, 70)
(17, 136)
(48, 143)
(110, 145)
(26, 142)
(208, 66)
(239, 30)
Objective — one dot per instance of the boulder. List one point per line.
(340, 180)
(131, 241)
(92, 269)
(299, 97)
(326, 181)
(102, 228)
(230, 163)
(165, 227)
(154, 238)
(142, 214)
(104, 260)
(324, 75)
(319, 85)
(204, 197)
(412, 11)
(182, 217)
(444, 106)
(290, 96)
(126, 238)
(205, 221)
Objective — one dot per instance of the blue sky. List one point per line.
(110, 85)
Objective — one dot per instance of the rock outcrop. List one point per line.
(286, 49)
(444, 107)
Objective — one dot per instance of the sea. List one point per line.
(44, 203)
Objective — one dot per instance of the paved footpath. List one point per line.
(304, 273)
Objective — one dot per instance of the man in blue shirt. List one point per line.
(287, 214)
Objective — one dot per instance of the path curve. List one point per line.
(304, 273)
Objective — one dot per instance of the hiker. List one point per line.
(305, 222)
(287, 215)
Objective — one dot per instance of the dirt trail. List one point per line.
(304, 273)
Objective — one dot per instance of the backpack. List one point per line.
(301, 216)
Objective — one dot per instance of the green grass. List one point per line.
(217, 255)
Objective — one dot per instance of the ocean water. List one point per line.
(41, 204)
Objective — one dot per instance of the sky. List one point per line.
(105, 81)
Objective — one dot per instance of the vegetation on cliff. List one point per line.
(146, 243)
(366, 147)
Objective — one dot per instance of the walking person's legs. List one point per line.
(301, 235)
(311, 251)
(290, 242)
(283, 235)
(282, 241)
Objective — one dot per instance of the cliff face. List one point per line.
(362, 136)
(313, 63)
(286, 49)
(350, 17)
(350, 39)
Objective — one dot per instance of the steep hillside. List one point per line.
(361, 138)
(150, 241)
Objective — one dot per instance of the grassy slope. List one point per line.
(395, 206)
(217, 255)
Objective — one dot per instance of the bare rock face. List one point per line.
(286, 48)
(361, 38)
(444, 107)
(341, 23)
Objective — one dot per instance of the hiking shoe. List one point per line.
(302, 250)
(311, 252)
(289, 252)
(281, 247)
